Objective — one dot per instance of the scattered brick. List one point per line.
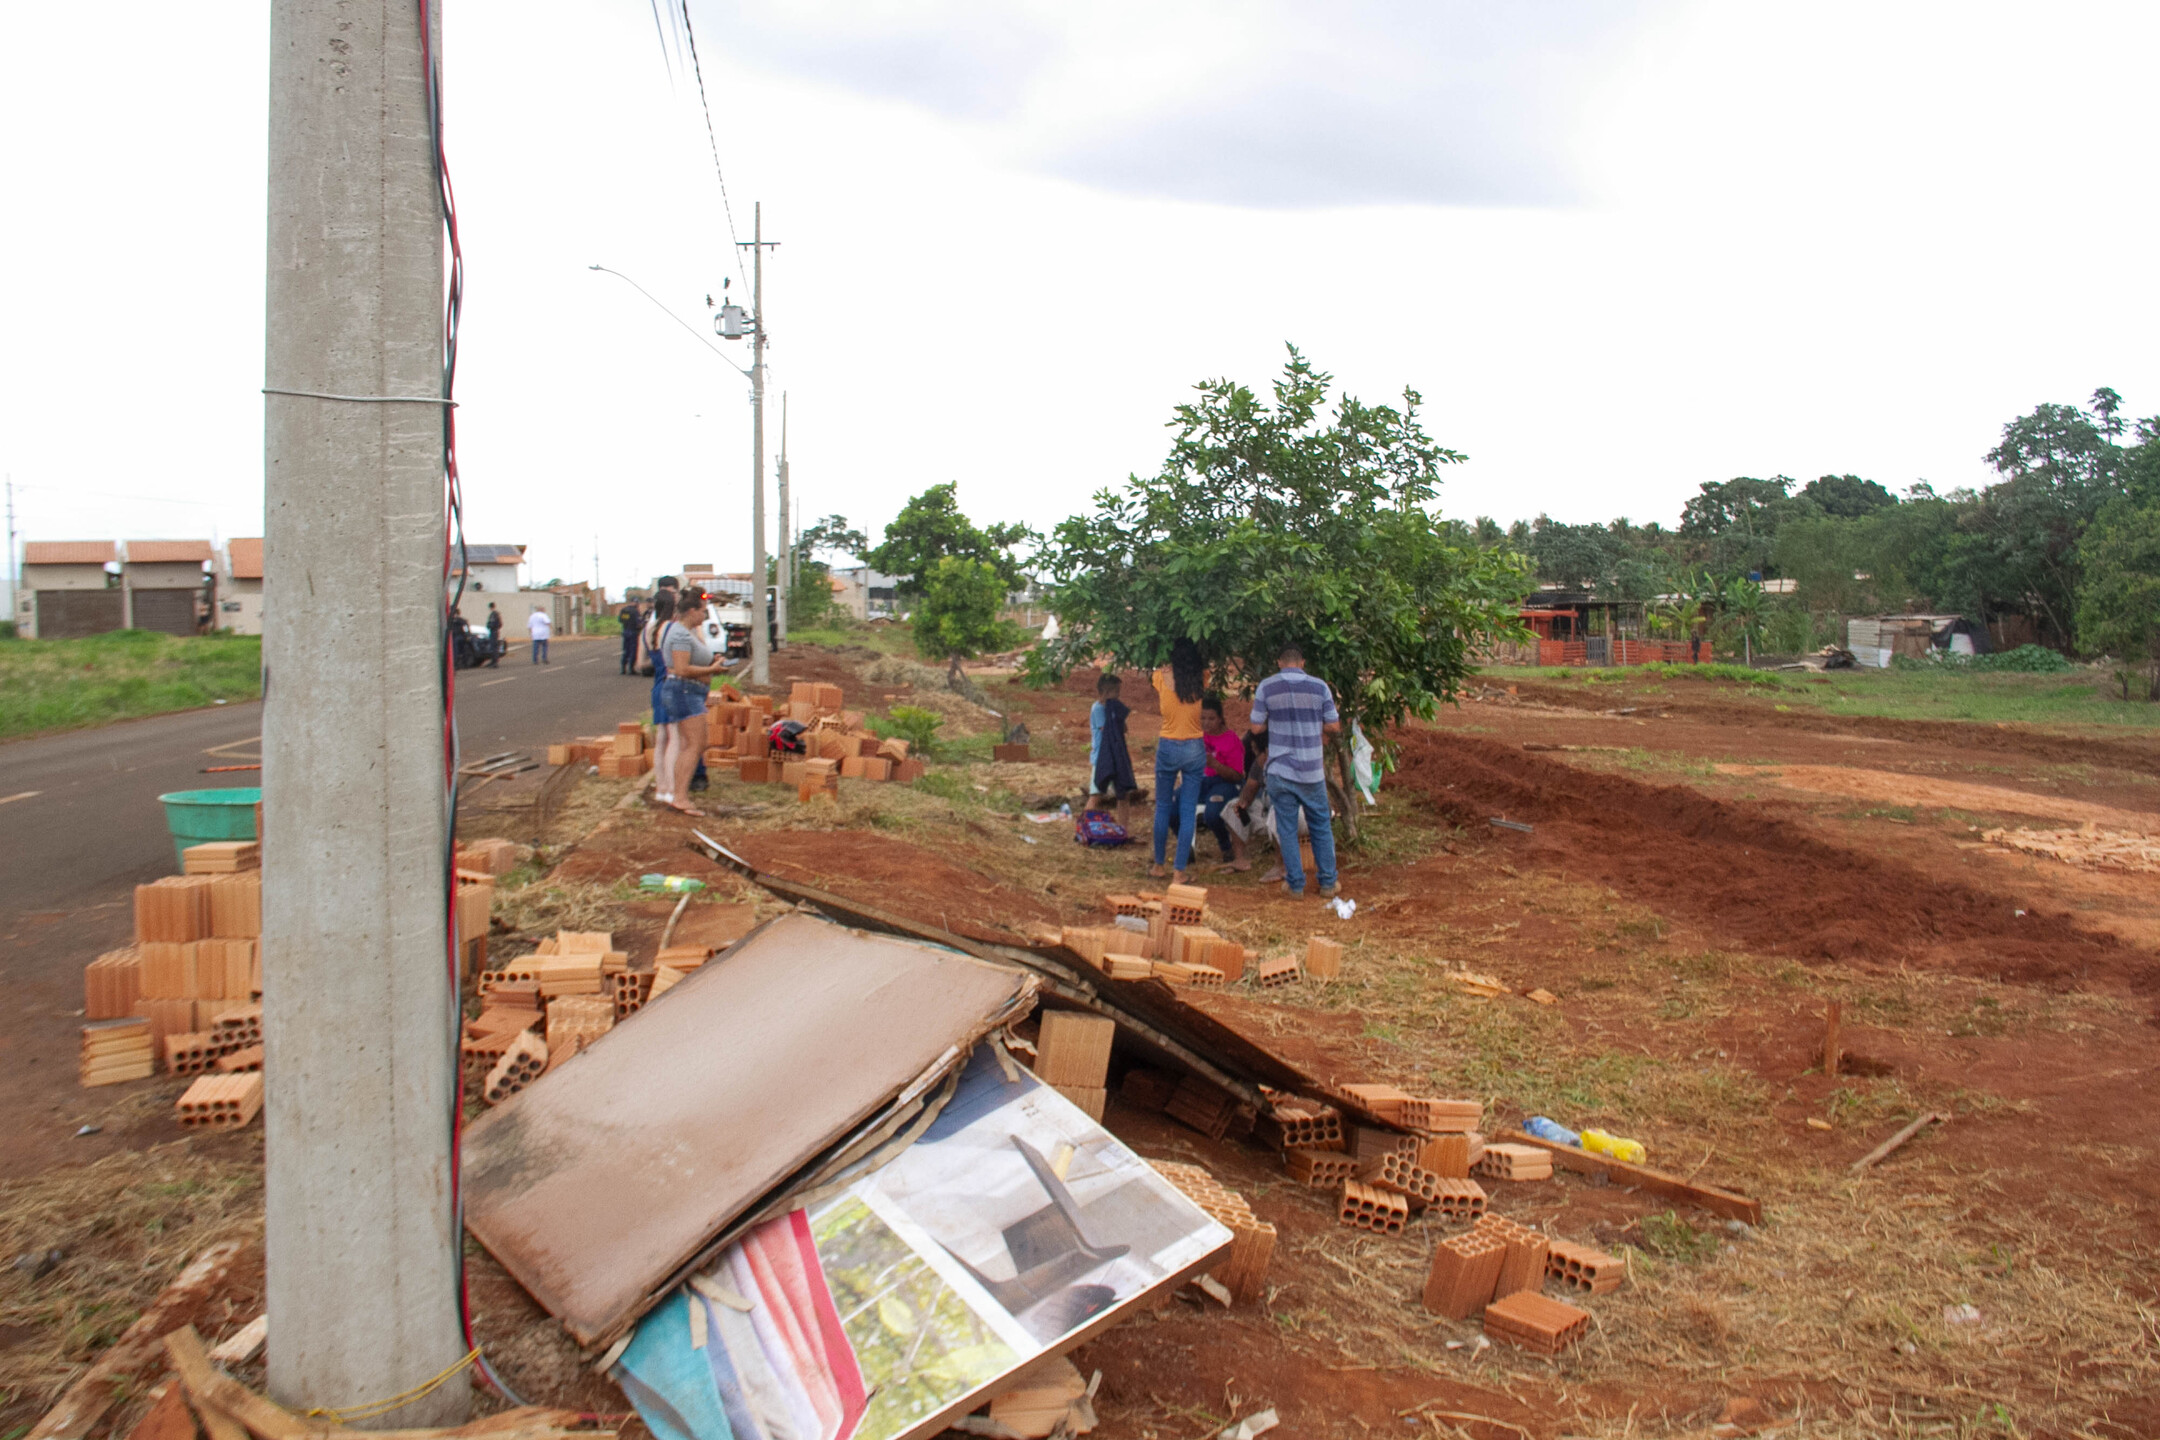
(1583, 1268)
(1073, 1048)
(1368, 1143)
(1149, 1089)
(1458, 1199)
(188, 1053)
(112, 984)
(1447, 1156)
(1465, 1268)
(1203, 975)
(524, 1061)
(114, 1051)
(1524, 1267)
(236, 905)
(1207, 1109)
(629, 992)
(664, 979)
(241, 1060)
(1090, 1098)
(1442, 1116)
(1504, 1161)
(1398, 1172)
(1126, 967)
(1536, 1322)
(1301, 1125)
(1252, 1243)
(1370, 1208)
(1323, 958)
(1385, 1102)
(220, 1102)
(1009, 752)
(1274, 973)
(221, 857)
(1321, 1169)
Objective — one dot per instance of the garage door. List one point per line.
(72, 614)
(172, 611)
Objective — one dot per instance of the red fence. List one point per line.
(1626, 651)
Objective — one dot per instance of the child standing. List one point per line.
(1110, 771)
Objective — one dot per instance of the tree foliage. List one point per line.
(812, 602)
(1272, 522)
(957, 616)
(2119, 602)
(931, 527)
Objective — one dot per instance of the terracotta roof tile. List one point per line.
(69, 552)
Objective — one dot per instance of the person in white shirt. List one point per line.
(541, 625)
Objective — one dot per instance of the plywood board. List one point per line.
(597, 1184)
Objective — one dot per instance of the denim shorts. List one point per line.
(680, 699)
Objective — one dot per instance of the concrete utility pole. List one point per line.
(362, 1246)
(787, 551)
(760, 634)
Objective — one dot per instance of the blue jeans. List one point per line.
(1287, 796)
(539, 651)
(1216, 795)
(1179, 767)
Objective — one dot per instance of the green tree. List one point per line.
(811, 602)
(957, 616)
(1735, 522)
(1269, 523)
(1848, 497)
(931, 527)
(2119, 597)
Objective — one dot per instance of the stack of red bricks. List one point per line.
(1499, 1268)
(1176, 944)
(196, 957)
(1252, 1242)
(836, 745)
(624, 755)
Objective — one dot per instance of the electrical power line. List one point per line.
(712, 138)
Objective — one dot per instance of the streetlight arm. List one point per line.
(673, 316)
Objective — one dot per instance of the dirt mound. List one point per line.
(1764, 882)
(896, 876)
(2140, 755)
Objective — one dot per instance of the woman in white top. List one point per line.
(690, 664)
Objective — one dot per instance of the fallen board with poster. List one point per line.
(1012, 1229)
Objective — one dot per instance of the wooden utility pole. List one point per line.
(359, 1007)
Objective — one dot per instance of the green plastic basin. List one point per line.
(197, 816)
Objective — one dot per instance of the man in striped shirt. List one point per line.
(1296, 711)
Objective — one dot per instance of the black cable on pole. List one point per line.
(712, 138)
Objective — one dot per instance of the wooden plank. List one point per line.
(1642, 1177)
(1830, 1051)
(85, 1402)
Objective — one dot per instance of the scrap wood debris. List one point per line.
(2090, 846)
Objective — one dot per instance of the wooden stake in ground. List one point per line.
(1830, 1052)
(1883, 1150)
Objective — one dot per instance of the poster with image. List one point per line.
(1012, 1222)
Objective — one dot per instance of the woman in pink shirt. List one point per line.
(1225, 777)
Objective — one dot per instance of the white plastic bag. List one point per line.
(1362, 770)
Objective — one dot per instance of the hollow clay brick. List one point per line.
(1524, 1267)
(220, 1102)
(1447, 1156)
(1299, 1127)
(1398, 1172)
(238, 1061)
(525, 1061)
(1323, 958)
(1370, 1208)
(1582, 1268)
(1273, 973)
(1535, 1322)
(1514, 1162)
(1149, 1089)
(1459, 1199)
(1321, 1169)
(1464, 1270)
(1074, 1048)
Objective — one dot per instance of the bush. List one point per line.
(912, 723)
(2025, 660)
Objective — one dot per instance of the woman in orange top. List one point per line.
(1180, 753)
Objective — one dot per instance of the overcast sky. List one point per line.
(1620, 249)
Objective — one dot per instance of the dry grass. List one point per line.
(126, 1225)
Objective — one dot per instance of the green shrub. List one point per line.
(2025, 660)
(912, 723)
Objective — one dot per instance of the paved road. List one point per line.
(80, 827)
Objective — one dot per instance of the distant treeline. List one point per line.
(2068, 540)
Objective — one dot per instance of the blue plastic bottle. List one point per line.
(1545, 1129)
